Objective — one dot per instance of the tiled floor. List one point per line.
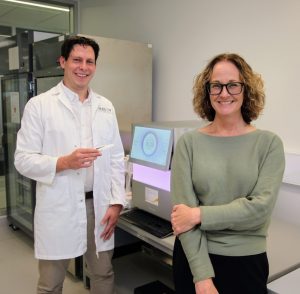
(18, 267)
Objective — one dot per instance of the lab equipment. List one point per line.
(151, 156)
(152, 146)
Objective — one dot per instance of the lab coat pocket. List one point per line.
(53, 197)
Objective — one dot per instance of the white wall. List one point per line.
(185, 34)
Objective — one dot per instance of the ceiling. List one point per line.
(16, 15)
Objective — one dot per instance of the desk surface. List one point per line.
(283, 245)
(287, 284)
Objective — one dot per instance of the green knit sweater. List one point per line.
(235, 180)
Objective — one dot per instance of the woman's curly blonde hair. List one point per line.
(254, 94)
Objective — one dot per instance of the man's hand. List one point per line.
(205, 287)
(79, 158)
(110, 220)
(184, 218)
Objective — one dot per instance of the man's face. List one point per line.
(79, 68)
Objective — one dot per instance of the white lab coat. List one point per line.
(49, 129)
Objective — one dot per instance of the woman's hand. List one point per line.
(205, 287)
(184, 218)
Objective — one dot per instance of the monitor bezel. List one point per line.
(167, 165)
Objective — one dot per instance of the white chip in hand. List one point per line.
(103, 147)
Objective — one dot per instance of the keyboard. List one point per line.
(148, 222)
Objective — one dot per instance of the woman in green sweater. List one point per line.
(225, 181)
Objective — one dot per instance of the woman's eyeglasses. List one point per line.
(233, 88)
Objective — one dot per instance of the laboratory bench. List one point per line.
(283, 245)
(286, 284)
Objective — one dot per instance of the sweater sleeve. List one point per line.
(254, 210)
(194, 242)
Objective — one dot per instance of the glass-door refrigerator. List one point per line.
(29, 68)
(16, 91)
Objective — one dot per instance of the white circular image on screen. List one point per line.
(149, 144)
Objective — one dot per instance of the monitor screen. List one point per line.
(152, 146)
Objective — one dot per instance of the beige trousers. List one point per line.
(53, 272)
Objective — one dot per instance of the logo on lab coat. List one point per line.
(105, 109)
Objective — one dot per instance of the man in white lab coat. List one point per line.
(80, 189)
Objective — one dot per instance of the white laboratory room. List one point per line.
(149, 147)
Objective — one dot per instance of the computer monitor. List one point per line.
(152, 146)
